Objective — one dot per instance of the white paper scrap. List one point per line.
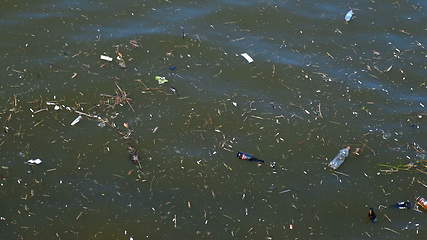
(76, 120)
(106, 58)
(34, 161)
(247, 57)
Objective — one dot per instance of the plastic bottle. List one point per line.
(244, 156)
(403, 205)
(339, 158)
(372, 216)
(422, 202)
(248, 157)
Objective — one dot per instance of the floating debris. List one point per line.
(248, 157)
(372, 216)
(247, 57)
(121, 62)
(348, 16)
(422, 202)
(76, 120)
(339, 158)
(34, 161)
(106, 58)
(173, 90)
(161, 80)
(403, 205)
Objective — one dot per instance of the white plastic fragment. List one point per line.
(348, 16)
(106, 58)
(161, 80)
(247, 57)
(34, 161)
(76, 120)
(56, 107)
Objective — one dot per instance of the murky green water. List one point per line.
(317, 84)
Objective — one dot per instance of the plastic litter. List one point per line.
(348, 16)
(422, 202)
(161, 80)
(76, 120)
(121, 62)
(247, 57)
(248, 157)
(106, 58)
(339, 158)
(372, 216)
(34, 161)
(403, 205)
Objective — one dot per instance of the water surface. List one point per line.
(317, 84)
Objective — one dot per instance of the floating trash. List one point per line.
(76, 120)
(121, 62)
(34, 161)
(339, 158)
(161, 80)
(248, 157)
(173, 90)
(247, 57)
(422, 202)
(403, 205)
(372, 216)
(349, 16)
(106, 58)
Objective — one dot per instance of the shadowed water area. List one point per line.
(317, 84)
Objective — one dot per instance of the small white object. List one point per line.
(106, 58)
(235, 104)
(56, 107)
(34, 161)
(76, 120)
(348, 16)
(247, 57)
